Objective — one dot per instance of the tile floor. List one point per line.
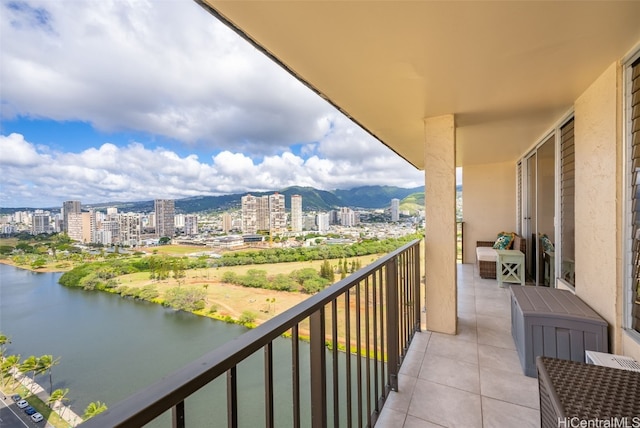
(472, 379)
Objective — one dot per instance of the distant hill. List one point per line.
(312, 199)
(374, 196)
(413, 203)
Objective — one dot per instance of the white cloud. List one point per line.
(109, 173)
(166, 69)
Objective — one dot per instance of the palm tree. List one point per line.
(12, 363)
(94, 408)
(30, 365)
(3, 342)
(45, 364)
(58, 396)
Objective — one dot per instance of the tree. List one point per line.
(9, 365)
(3, 343)
(58, 396)
(164, 240)
(30, 365)
(94, 408)
(45, 364)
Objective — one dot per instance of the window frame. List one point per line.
(628, 197)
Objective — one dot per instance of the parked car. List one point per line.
(16, 397)
(36, 417)
(29, 410)
(22, 404)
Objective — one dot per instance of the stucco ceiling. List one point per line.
(507, 70)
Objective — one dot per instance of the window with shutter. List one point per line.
(567, 205)
(635, 192)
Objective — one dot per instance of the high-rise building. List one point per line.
(69, 207)
(109, 232)
(395, 209)
(347, 217)
(40, 223)
(296, 213)
(190, 224)
(249, 214)
(88, 226)
(322, 221)
(165, 210)
(74, 226)
(263, 213)
(227, 223)
(130, 229)
(277, 214)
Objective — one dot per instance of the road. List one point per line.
(11, 416)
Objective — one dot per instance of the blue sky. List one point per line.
(115, 100)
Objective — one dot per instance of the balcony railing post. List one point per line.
(416, 283)
(177, 415)
(393, 349)
(318, 370)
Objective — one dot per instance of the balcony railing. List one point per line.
(353, 363)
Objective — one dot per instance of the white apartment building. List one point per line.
(227, 222)
(130, 229)
(277, 214)
(190, 224)
(249, 205)
(73, 226)
(322, 221)
(296, 213)
(347, 217)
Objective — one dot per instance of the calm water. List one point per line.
(110, 347)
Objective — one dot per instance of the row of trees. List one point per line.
(11, 365)
(304, 280)
(99, 275)
(321, 252)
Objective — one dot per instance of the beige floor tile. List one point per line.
(390, 418)
(510, 387)
(444, 405)
(451, 347)
(500, 338)
(454, 373)
(499, 414)
(413, 422)
(401, 399)
(499, 358)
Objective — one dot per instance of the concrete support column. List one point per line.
(440, 213)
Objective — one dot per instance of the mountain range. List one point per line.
(370, 197)
(312, 199)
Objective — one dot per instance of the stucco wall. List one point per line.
(440, 232)
(488, 203)
(596, 218)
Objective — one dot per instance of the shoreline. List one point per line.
(29, 268)
(232, 309)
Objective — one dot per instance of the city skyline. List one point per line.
(195, 111)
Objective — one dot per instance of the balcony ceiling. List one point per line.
(507, 70)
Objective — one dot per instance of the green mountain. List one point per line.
(374, 196)
(413, 203)
(312, 199)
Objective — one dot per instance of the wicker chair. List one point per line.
(487, 269)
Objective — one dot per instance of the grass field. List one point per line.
(233, 300)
